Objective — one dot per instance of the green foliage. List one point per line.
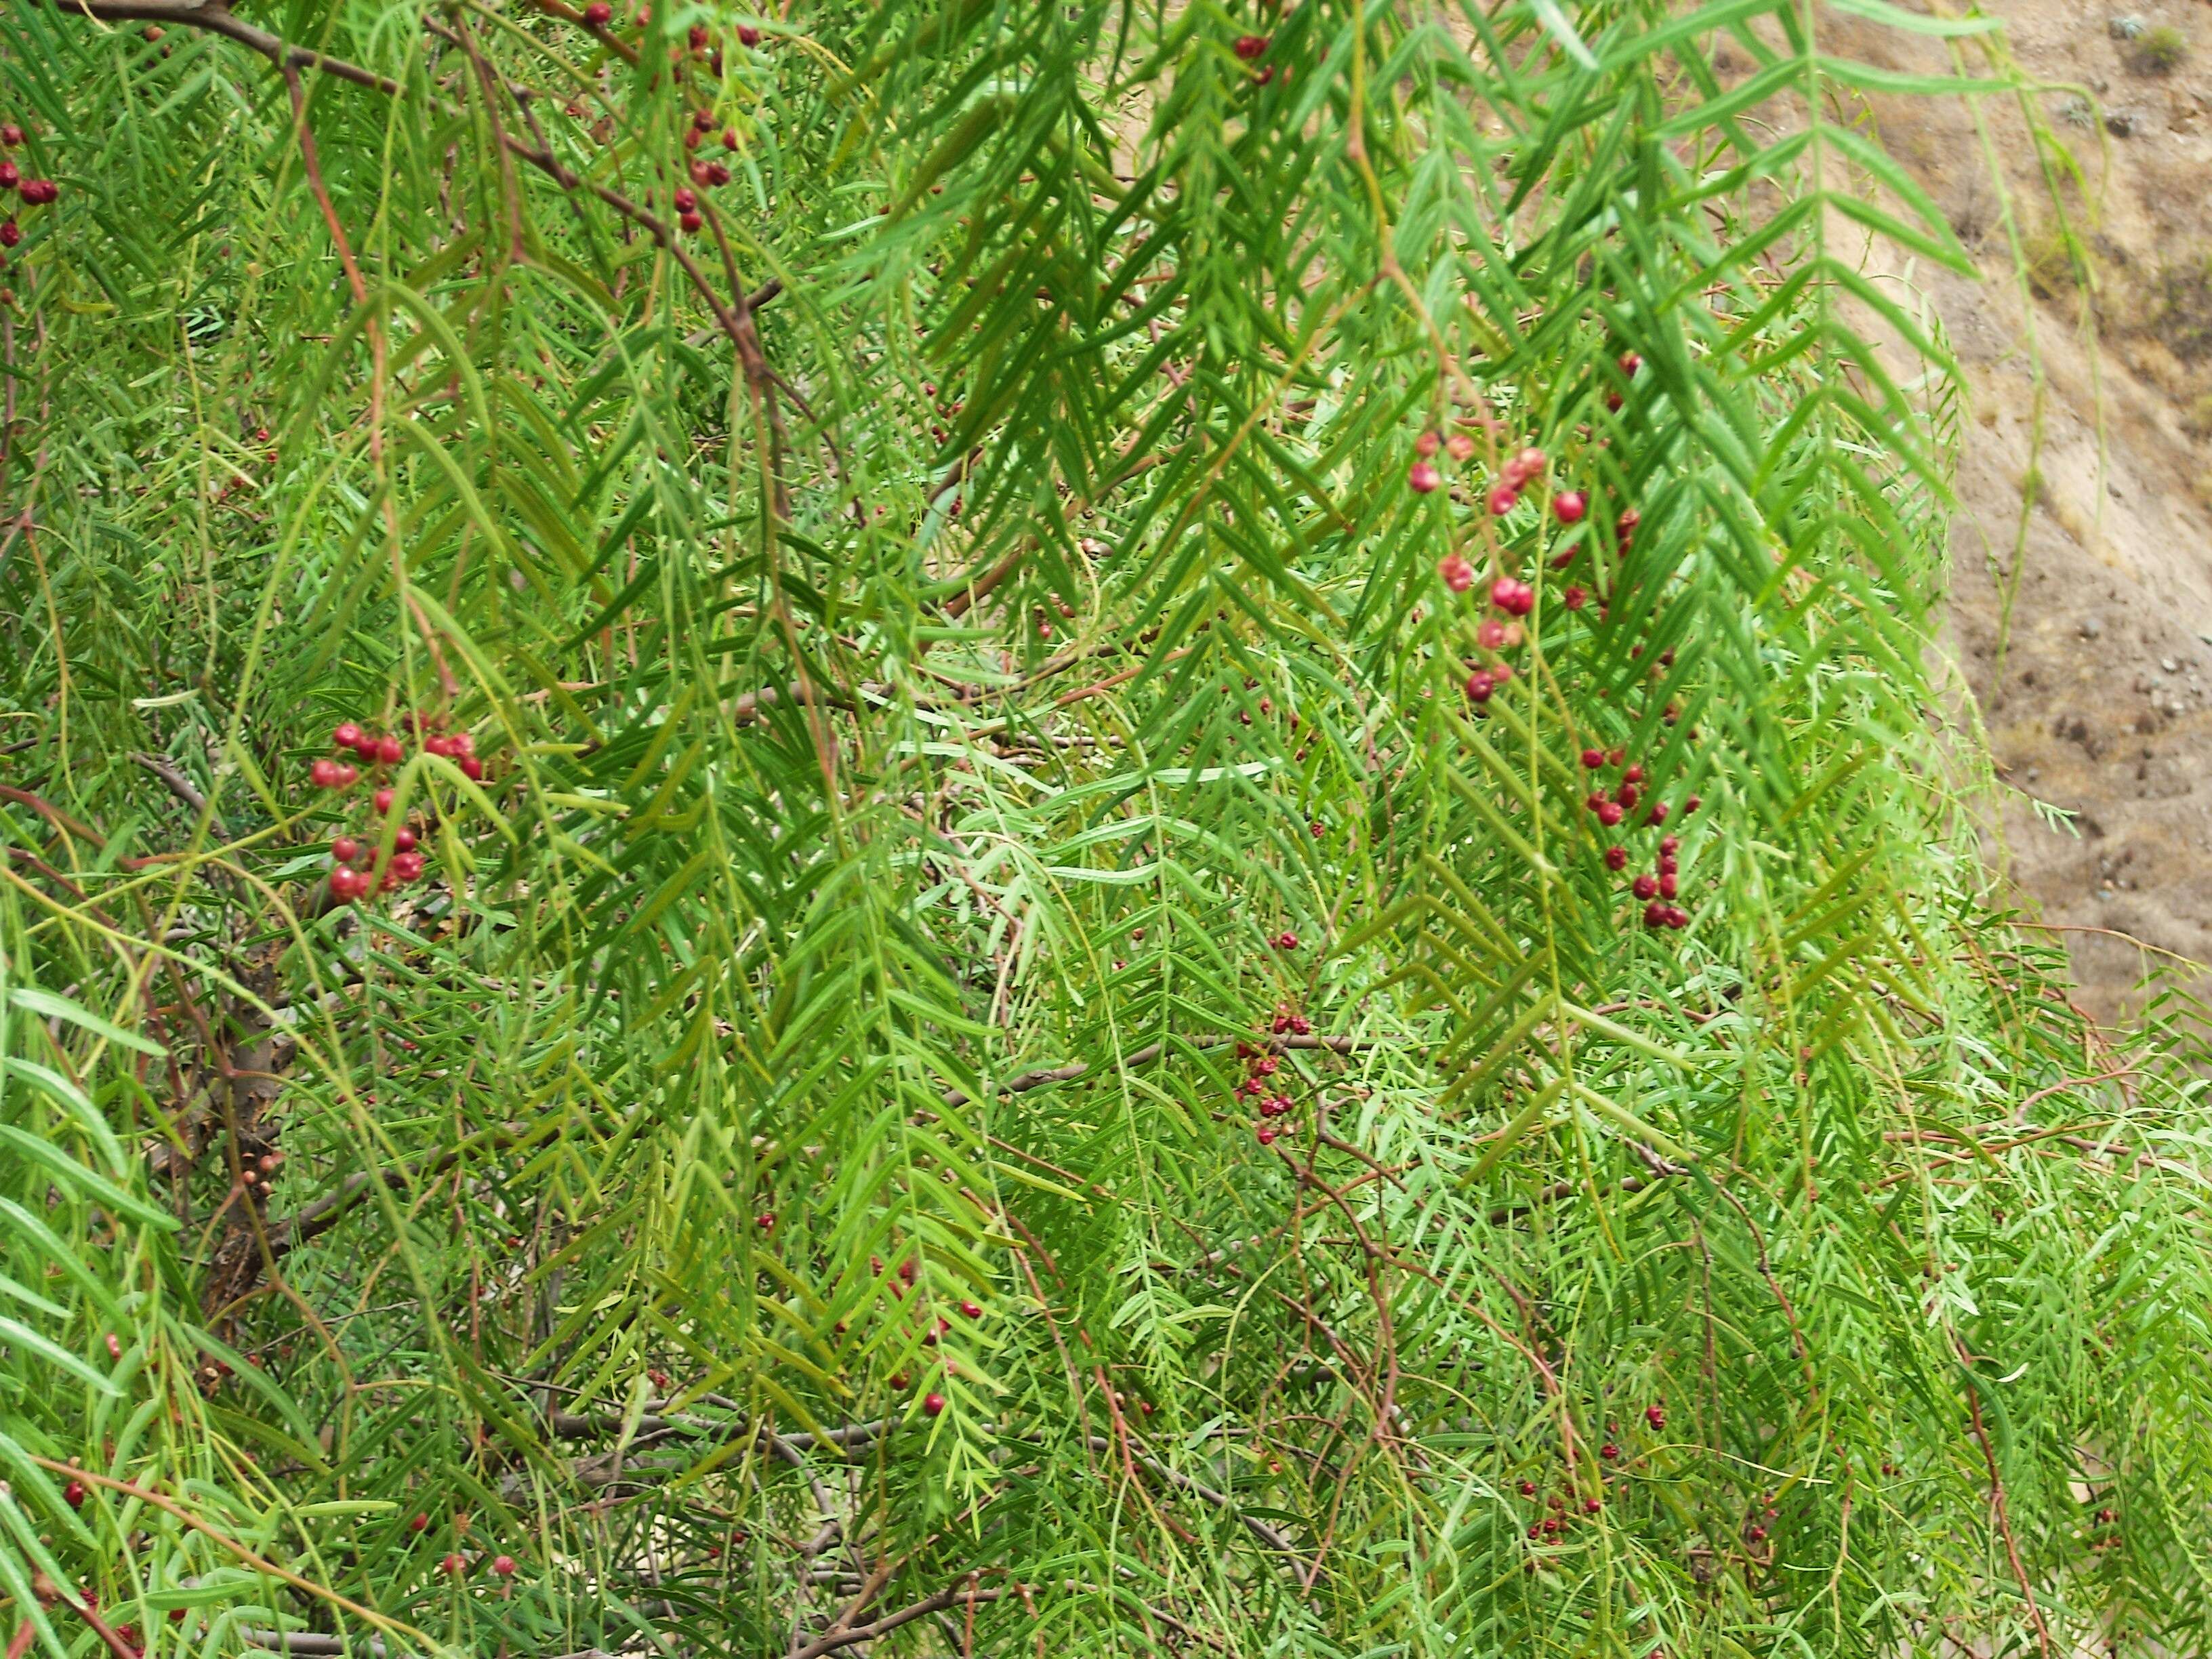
(2159, 51)
(947, 726)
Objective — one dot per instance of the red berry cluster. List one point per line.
(1522, 469)
(1657, 889)
(939, 1326)
(1262, 1064)
(355, 874)
(1250, 49)
(1422, 478)
(2106, 1517)
(1558, 1508)
(1629, 363)
(706, 172)
(1559, 1512)
(35, 192)
(1509, 595)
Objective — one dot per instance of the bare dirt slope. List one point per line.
(2094, 531)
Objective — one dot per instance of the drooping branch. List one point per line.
(313, 1644)
(220, 20)
(1023, 1082)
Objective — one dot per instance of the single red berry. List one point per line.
(1460, 447)
(348, 776)
(1608, 813)
(1625, 525)
(402, 840)
(685, 201)
(933, 1402)
(1657, 814)
(1286, 941)
(765, 1221)
(1455, 572)
(420, 1523)
(1591, 1506)
(347, 736)
(702, 119)
(114, 1346)
(177, 1614)
(1249, 46)
(503, 1565)
(73, 1494)
(697, 37)
(348, 884)
(1645, 887)
(1568, 506)
(11, 233)
(1608, 1451)
(1670, 845)
(1574, 598)
(690, 221)
(406, 867)
(1593, 759)
(38, 191)
(1616, 858)
(1528, 1489)
(599, 15)
(1655, 916)
(11, 135)
(472, 768)
(324, 775)
(1427, 445)
(1503, 500)
(971, 1309)
(1669, 885)
(1757, 1533)
(1633, 774)
(1691, 806)
(1629, 363)
(389, 750)
(1677, 916)
(10, 175)
(729, 138)
(381, 800)
(748, 36)
(1422, 478)
(1480, 685)
(1628, 795)
(1265, 1133)
(454, 1564)
(1656, 1416)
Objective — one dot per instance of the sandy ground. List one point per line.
(2086, 470)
